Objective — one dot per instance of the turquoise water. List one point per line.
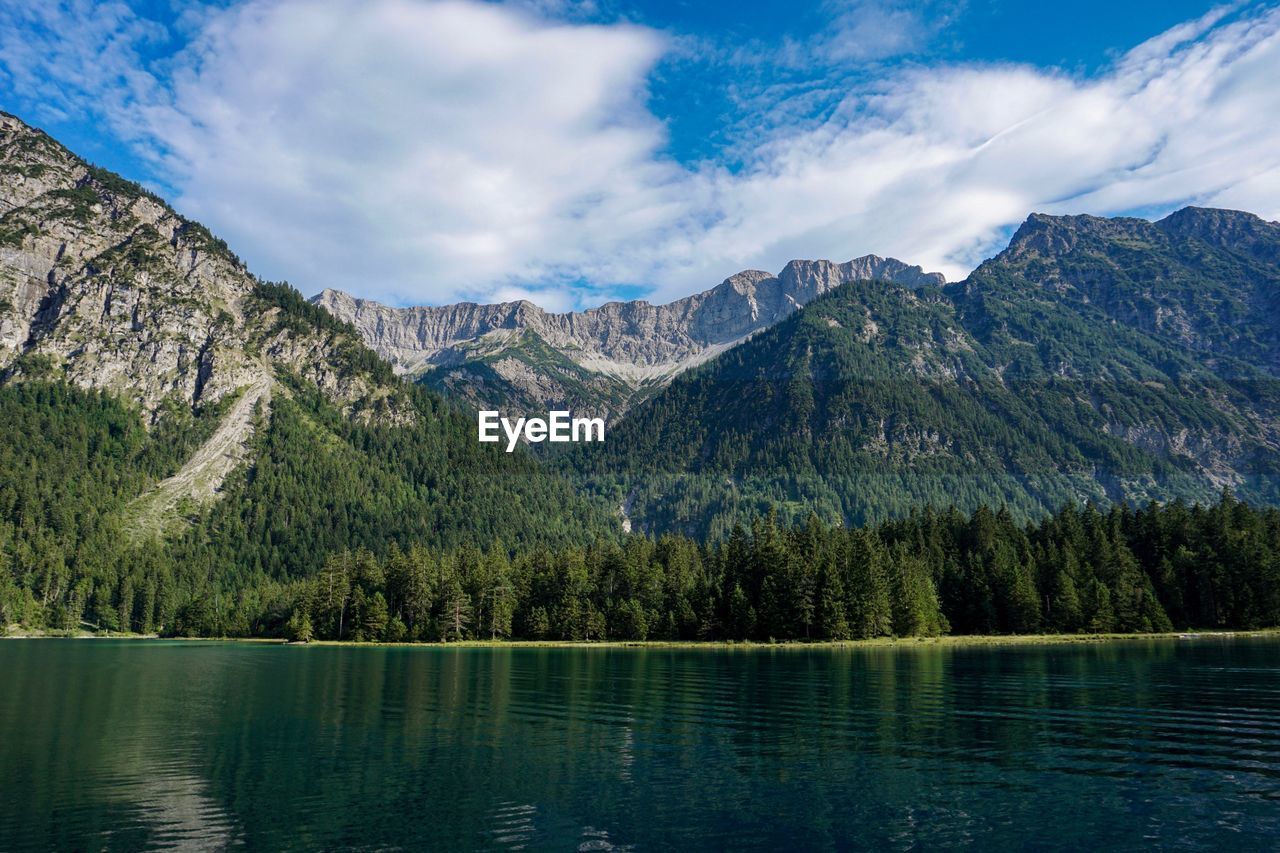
(124, 745)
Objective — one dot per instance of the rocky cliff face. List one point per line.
(601, 360)
(103, 284)
(107, 285)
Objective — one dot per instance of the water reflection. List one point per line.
(116, 745)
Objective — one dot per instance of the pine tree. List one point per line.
(1095, 606)
(870, 607)
(373, 623)
(456, 614)
(124, 605)
(299, 628)
(916, 612)
(833, 621)
(335, 594)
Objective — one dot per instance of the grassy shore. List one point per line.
(879, 642)
(16, 632)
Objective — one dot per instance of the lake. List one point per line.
(127, 745)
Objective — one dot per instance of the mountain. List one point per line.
(1080, 363)
(600, 361)
(186, 447)
(105, 286)
(1207, 281)
(171, 422)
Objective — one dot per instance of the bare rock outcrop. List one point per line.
(603, 359)
(105, 286)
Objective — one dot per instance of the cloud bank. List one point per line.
(429, 152)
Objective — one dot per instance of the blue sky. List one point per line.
(1079, 37)
(426, 152)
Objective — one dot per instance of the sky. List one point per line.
(570, 153)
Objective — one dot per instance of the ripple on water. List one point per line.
(210, 746)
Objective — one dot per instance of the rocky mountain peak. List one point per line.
(1206, 280)
(818, 277)
(612, 354)
(104, 285)
(1045, 234)
(1234, 229)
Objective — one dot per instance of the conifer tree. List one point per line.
(914, 600)
(299, 628)
(870, 608)
(833, 620)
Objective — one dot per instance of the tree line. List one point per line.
(1083, 570)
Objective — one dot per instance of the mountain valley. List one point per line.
(191, 449)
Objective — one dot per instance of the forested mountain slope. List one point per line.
(183, 447)
(170, 423)
(1008, 388)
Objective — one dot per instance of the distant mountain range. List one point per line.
(1107, 359)
(1103, 359)
(600, 361)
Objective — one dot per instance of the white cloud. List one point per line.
(412, 150)
(933, 165)
(864, 30)
(75, 55)
(429, 152)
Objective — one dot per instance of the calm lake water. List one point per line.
(125, 745)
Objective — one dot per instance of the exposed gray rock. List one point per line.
(107, 287)
(611, 355)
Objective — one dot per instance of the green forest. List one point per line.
(311, 545)
(874, 399)
(73, 462)
(1082, 570)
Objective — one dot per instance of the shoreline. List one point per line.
(954, 641)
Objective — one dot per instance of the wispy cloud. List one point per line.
(934, 164)
(863, 30)
(75, 55)
(426, 152)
